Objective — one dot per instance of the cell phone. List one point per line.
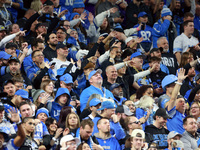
(53, 63)
(143, 26)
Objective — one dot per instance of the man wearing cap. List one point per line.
(117, 92)
(176, 106)
(10, 49)
(14, 66)
(4, 57)
(66, 81)
(190, 136)
(161, 28)
(9, 88)
(96, 81)
(167, 59)
(173, 135)
(108, 111)
(185, 41)
(104, 137)
(68, 142)
(61, 60)
(138, 137)
(157, 129)
(145, 31)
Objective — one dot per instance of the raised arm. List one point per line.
(172, 101)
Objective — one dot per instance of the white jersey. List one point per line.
(60, 64)
(182, 43)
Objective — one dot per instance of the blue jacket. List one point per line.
(115, 129)
(93, 90)
(142, 113)
(15, 11)
(68, 4)
(159, 29)
(108, 144)
(59, 10)
(55, 108)
(197, 23)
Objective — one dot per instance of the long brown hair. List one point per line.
(67, 120)
(44, 84)
(184, 59)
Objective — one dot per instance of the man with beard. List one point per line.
(96, 81)
(117, 91)
(14, 65)
(157, 129)
(167, 59)
(188, 84)
(190, 136)
(50, 51)
(104, 137)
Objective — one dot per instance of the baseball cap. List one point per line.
(156, 49)
(62, 46)
(162, 112)
(93, 72)
(14, 59)
(115, 85)
(138, 133)
(107, 105)
(124, 109)
(1, 106)
(2, 28)
(10, 44)
(172, 134)
(95, 102)
(48, 2)
(22, 93)
(141, 14)
(62, 28)
(67, 78)
(118, 28)
(8, 81)
(4, 55)
(68, 138)
(136, 54)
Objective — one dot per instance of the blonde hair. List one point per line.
(36, 5)
(145, 102)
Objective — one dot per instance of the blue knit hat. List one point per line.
(42, 110)
(78, 4)
(72, 16)
(166, 12)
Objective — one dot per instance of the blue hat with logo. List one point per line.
(115, 85)
(107, 105)
(166, 12)
(136, 54)
(93, 72)
(22, 93)
(95, 102)
(42, 110)
(62, 91)
(67, 78)
(4, 55)
(78, 4)
(141, 14)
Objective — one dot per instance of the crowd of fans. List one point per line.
(99, 74)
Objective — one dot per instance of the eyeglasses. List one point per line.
(39, 55)
(30, 123)
(136, 122)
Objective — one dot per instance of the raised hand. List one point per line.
(83, 16)
(14, 115)
(58, 132)
(90, 17)
(62, 13)
(181, 75)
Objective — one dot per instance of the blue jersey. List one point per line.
(59, 10)
(142, 113)
(40, 131)
(109, 144)
(176, 123)
(146, 33)
(197, 23)
(68, 4)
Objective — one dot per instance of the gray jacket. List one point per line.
(189, 141)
